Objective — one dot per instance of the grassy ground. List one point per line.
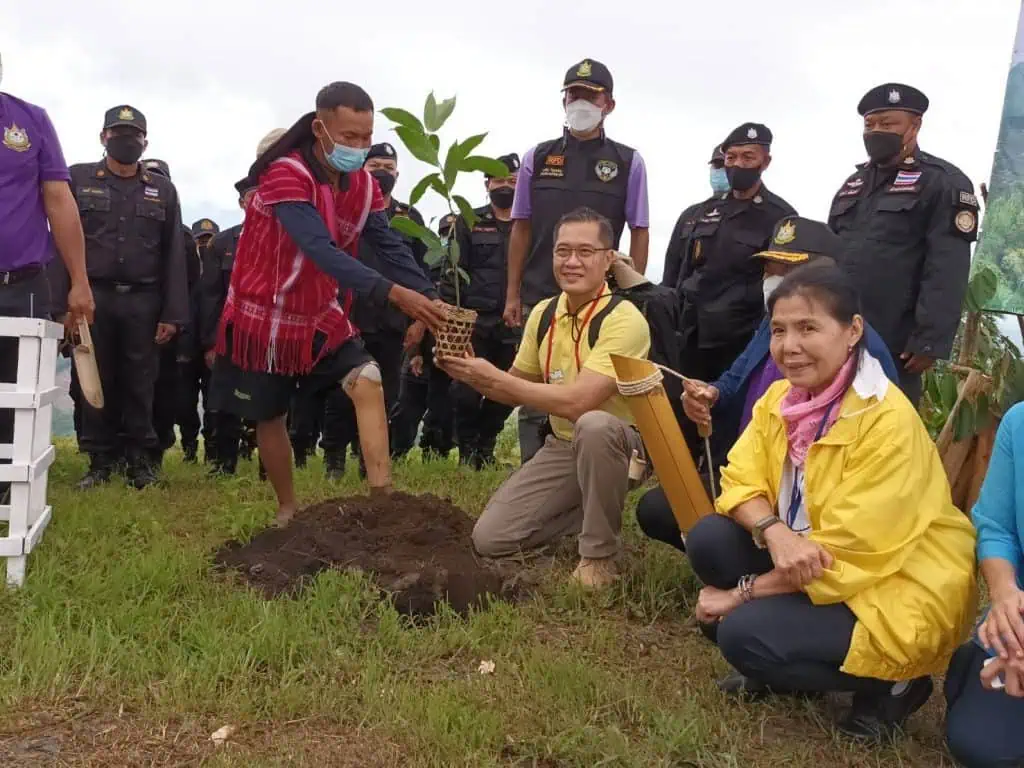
(124, 650)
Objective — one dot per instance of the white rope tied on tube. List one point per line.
(647, 383)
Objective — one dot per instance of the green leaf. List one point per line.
(471, 143)
(454, 254)
(984, 412)
(441, 113)
(468, 215)
(947, 390)
(982, 288)
(435, 142)
(435, 256)
(485, 165)
(964, 426)
(402, 117)
(408, 227)
(430, 112)
(418, 144)
(464, 275)
(457, 153)
(421, 187)
(931, 388)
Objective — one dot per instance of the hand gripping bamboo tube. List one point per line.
(664, 442)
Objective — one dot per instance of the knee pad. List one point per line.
(368, 371)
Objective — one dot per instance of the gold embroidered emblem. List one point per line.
(16, 138)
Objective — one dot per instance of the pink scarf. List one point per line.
(805, 414)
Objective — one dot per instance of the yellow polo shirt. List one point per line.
(624, 331)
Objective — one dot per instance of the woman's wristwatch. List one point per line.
(760, 527)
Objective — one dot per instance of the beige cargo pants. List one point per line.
(576, 487)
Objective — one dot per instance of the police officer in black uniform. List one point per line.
(907, 220)
(222, 431)
(582, 167)
(135, 257)
(192, 370)
(483, 257)
(719, 283)
(419, 402)
(382, 327)
(719, 179)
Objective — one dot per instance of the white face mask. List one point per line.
(769, 285)
(582, 116)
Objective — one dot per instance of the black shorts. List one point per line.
(261, 396)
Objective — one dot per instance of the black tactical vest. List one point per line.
(569, 174)
(486, 264)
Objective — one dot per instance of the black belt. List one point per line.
(124, 287)
(20, 275)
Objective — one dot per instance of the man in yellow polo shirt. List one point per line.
(576, 483)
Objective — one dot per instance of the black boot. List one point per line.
(142, 474)
(334, 465)
(98, 474)
(880, 719)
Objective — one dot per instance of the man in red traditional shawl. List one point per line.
(284, 328)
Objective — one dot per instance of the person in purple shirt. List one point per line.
(795, 241)
(37, 212)
(580, 168)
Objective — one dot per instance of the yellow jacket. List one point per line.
(878, 499)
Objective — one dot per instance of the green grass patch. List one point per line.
(122, 621)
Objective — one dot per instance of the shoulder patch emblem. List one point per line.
(16, 138)
(966, 221)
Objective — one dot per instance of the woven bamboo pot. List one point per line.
(453, 338)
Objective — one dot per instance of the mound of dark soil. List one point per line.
(416, 548)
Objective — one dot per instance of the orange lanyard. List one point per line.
(551, 337)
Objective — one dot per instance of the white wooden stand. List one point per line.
(32, 452)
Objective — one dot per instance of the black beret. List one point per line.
(382, 150)
(717, 155)
(511, 162)
(157, 166)
(796, 240)
(589, 74)
(124, 114)
(205, 227)
(883, 98)
(748, 133)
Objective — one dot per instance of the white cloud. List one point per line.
(213, 77)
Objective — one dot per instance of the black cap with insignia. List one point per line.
(384, 150)
(748, 133)
(717, 156)
(444, 226)
(157, 166)
(205, 227)
(796, 240)
(124, 114)
(890, 96)
(511, 162)
(589, 74)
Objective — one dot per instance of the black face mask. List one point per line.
(125, 148)
(386, 179)
(742, 179)
(882, 146)
(502, 197)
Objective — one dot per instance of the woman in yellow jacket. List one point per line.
(838, 561)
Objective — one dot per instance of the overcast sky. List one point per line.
(213, 77)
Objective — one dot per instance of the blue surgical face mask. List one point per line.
(344, 159)
(719, 181)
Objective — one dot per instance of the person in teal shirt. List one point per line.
(985, 682)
